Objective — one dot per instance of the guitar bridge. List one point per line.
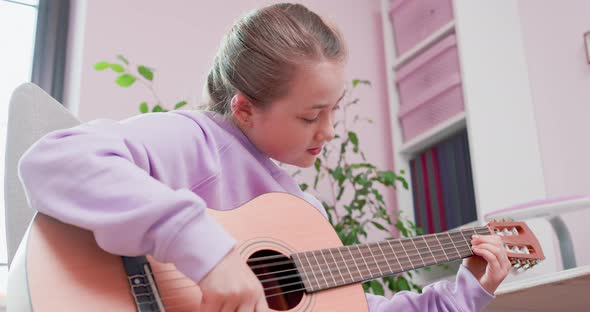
(142, 284)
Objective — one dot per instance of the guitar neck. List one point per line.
(334, 267)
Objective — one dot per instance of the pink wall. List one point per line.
(560, 85)
(179, 39)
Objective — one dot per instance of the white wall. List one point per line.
(560, 86)
(507, 167)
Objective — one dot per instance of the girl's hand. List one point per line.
(232, 286)
(490, 265)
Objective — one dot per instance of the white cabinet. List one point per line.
(498, 109)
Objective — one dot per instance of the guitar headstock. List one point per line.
(523, 248)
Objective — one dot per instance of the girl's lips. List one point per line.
(314, 151)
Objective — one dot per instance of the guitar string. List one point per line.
(348, 261)
(273, 287)
(344, 260)
(448, 246)
(331, 271)
(363, 271)
(299, 283)
(429, 236)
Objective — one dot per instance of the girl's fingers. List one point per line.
(501, 253)
(495, 240)
(495, 256)
(492, 239)
(493, 262)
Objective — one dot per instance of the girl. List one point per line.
(142, 185)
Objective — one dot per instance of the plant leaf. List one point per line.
(387, 177)
(122, 59)
(317, 164)
(125, 80)
(379, 226)
(158, 109)
(377, 288)
(143, 107)
(101, 65)
(117, 68)
(402, 284)
(145, 72)
(180, 104)
(356, 82)
(353, 138)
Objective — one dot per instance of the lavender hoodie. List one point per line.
(142, 186)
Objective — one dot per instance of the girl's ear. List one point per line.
(242, 110)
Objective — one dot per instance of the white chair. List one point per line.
(32, 114)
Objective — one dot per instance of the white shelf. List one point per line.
(557, 291)
(434, 135)
(424, 45)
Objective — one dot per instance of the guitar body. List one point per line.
(61, 268)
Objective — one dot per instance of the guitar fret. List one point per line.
(365, 261)
(312, 271)
(329, 271)
(441, 246)
(346, 265)
(337, 265)
(467, 242)
(436, 249)
(304, 277)
(461, 245)
(355, 264)
(385, 257)
(407, 255)
(376, 262)
(413, 240)
(451, 239)
(429, 250)
(395, 255)
(450, 250)
(320, 268)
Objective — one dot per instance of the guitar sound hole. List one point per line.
(279, 277)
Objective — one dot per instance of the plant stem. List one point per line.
(151, 88)
(333, 193)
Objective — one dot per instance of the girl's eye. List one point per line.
(310, 121)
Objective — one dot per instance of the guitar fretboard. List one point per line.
(334, 267)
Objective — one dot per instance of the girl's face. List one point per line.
(294, 128)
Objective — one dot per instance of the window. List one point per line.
(18, 22)
(442, 185)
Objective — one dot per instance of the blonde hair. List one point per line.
(259, 55)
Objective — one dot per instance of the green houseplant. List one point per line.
(355, 203)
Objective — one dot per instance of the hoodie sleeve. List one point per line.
(129, 183)
(465, 295)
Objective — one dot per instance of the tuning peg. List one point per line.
(526, 265)
(517, 263)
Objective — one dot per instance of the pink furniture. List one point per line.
(414, 20)
(429, 88)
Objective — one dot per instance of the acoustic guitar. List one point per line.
(288, 244)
